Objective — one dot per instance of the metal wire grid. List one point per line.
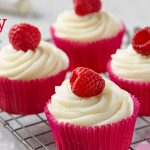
(33, 131)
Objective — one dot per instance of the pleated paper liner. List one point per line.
(140, 89)
(27, 97)
(93, 55)
(116, 136)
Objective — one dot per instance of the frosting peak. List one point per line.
(91, 27)
(45, 61)
(129, 64)
(113, 105)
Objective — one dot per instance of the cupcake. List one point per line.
(130, 69)
(88, 35)
(88, 112)
(29, 70)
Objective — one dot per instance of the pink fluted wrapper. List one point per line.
(27, 97)
(139, 89)
(116, 136)
(93, 55)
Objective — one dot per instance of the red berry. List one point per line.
(141, 41)
(84, 7)
(86, 82)
(24, 37)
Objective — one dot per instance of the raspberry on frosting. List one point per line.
(86, 82)
(84, 7)
(24, 37)
(141, 41)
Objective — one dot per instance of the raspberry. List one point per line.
(86, 82)
(24, 37)
(141, 41)
(84, 7)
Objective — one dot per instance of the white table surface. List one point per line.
(132, 12)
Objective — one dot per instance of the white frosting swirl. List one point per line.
(45, 61)
(87, 28)
(128, 64)
(114, 104)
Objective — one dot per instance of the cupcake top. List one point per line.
(133, 63)
(89, 100)
(91, 27)
(28, 57)
(86, 25)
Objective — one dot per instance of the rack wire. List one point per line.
(33, 130)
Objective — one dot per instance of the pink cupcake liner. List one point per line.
(27, 97)
(116, 136)
(93, 55)
(140, 89)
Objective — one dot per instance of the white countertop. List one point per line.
(132, 12)
(8, 141)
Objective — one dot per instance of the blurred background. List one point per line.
(43, 13)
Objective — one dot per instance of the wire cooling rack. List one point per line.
(33, 130)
